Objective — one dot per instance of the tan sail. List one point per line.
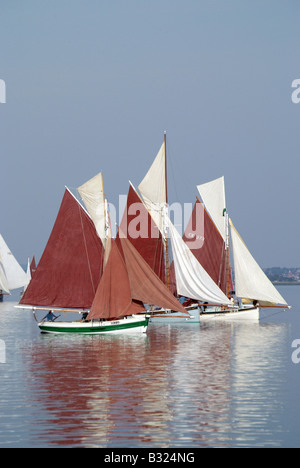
(92, 193)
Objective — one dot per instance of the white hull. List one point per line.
(241, 314)
(175, 317)
(196, 316)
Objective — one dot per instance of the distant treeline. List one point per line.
(283, 275)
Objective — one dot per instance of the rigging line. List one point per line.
(159, 257)
(222, 270)
(272, 315)
(86, 251)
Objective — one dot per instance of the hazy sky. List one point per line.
(92, 85)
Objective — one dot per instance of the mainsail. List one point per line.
(3, 279)
(92, 193)
(128, 280)
(213, 196)
(145, 284)
(191, 278)
(70, 269)
(138, 226)
(207, 244)
(32, 266)
(250, 281)
(12, 275)
(113, 298)
(153, 189)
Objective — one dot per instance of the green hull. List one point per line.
(96, 327)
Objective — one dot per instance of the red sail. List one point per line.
(138, 226)
(144, 283)
(69, 271)
(113, 298)
(211, 253)
(32, 266)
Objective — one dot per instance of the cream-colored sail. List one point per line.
(213, 196)
(191, 278)
(250, 281)
(153, 190)
(3, 279)
(28, 274)
(13, 273)
(92, 193)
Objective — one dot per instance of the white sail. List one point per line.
(15, 275)
(28, 274)
(191, 278)
(3, 279)
(213, 196)
(153, 190)
(250, 281)
(92, 193)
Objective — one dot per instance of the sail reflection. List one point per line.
(258, 376)
(180, 386)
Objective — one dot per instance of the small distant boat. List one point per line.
(83, 270)
(12, 275)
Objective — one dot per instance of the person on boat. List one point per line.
(188, 302)
(182, 299)
(84, 317)
(50, 317)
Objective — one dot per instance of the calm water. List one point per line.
(210, 385)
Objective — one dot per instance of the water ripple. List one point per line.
(179, 386)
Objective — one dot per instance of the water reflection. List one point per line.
(182, 385)
(259, 370)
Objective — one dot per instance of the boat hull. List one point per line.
(196, 315)
(134, 324)
(175, 317)
(251, 313)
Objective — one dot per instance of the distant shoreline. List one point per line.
(286, 283)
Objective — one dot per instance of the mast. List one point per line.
(106, 217)
(167, 233)
(227, 256)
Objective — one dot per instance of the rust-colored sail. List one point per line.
(211, 254)
(145, 284)
(113, 298)
(137, 226)
(127, 280)
(32, 266)
(69, 271)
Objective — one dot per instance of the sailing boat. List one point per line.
(204, 273)
(252, 286)
(12, 275)
(191, 279)
(97, 281)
